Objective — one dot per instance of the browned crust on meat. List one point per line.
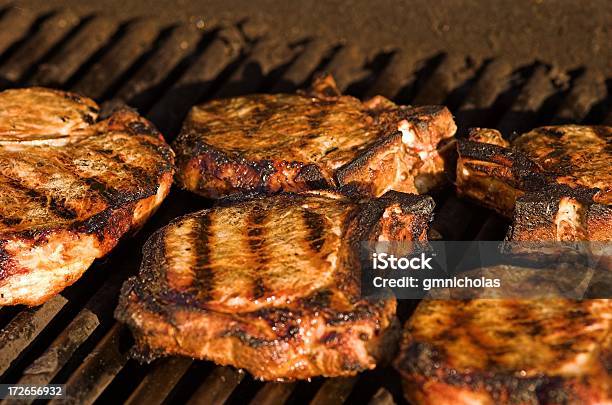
(554, 182)
(542, 182)
(72, 189)
(507, 351)
(560, 215)
(495, 176)
(552, 162)
(314, 140)
(275, 330)
(391, 164)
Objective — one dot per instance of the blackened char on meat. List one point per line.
(508, 351)
(271, 284)
(70, 186)
(556, 181)
(312, 140)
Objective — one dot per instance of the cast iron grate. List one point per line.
(162, 71)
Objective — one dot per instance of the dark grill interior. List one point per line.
(162, 71)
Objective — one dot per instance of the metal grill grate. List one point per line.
(162, 71)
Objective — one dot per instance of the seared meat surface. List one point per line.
(70, 187)
(556, 181)
(320, 139)
(483, 351)
(271, 284)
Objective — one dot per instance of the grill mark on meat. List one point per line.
(53, 204)
(483, 355)
(140, 128)
(135, 174)
(63, 167)
(72, 186)
(9, 221)
(109, 195)
(141, 175)
(255, 134)
(315, 223)
(316, 119)
(247, 338)
(37, 192)
(204, 280)
(314, 297)
(256, 232)
(8, 265)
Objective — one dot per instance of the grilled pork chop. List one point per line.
(314, 140)
(270, 284)
(556, 181)
(70, 187)
(482, 351)
(553, 351)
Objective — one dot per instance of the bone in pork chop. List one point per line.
(320, 139)
(70, 187)
(271, 284)
(556, 181)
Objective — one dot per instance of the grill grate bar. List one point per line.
(217, 387)
(38, 45)
(523, 114)
(273, 394)
(138, 37)
(96, 311)
(494, 80)
(24, 328)
(334, 391)
(266, 56)
(99, 368)
(142, 90)
(60, 67)
(399, 73)
(589, 89)
(160, 381)
(382, 397)
(197, 81)
(45, 368)
(449, 74)
(299, 73)
(15, 23)
(347, 66)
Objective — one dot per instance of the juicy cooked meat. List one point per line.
(482, 351)
(556, 181)
(70, 187)
(320, 139)
(547, 351)
(271, 284)
(569, 158)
